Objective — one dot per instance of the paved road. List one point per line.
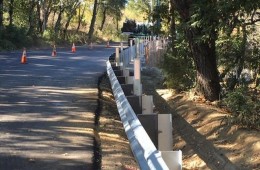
(47, 108)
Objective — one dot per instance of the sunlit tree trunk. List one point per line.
(66, 27)
(31, 18)
(93, 21)
(172, 25)
(40, 22)
(11, 11)
(46, 13)
(103, 19)
(81, 17)
(58, 21)
(70, 14)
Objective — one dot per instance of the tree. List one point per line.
(58, 21)
(200, 30)
(71, 12)
(138, 10)
(242, 17)
(80, 16)
(129, 26)
(11, 11)
(31, 17)
(93, 21)
(104, 13)
(1, 13)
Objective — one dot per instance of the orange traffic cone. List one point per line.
(108, 44)
(24, 59)
(73, 49)
(54, 53)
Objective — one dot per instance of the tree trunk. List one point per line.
(203, 52)
(66, 27)
(58, 22)
(103, 19)
(70, 15)
(81, 17)
(11, 11)
(1, 14)
(204, 56)
(31, 18)
(40, 22)
(93, 20)
(46, 14)
(173, 25)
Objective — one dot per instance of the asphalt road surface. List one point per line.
(47, 108)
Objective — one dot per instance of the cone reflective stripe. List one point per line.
(73, 49)
(23, 58)
(54, 53)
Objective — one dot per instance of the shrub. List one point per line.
(244, 111)
(14, 37)
(178, 68)
(6, 45)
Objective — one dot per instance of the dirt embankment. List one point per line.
(198, 130)
(206, 141)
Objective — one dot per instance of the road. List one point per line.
(47, 108)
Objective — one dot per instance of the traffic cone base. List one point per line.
(73, 49)
(54, 53)
(24, 59)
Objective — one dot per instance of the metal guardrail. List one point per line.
(146, 154)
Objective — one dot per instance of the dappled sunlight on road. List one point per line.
(47, 109)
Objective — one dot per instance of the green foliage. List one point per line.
(178, 68)
(138, 10)
(244, 110)
(14, 38)
(6, 45)
(228, 48)
(49, 35)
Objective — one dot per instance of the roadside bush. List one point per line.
(178, 68)
(244, 111)
(6, 45)
(14, 37)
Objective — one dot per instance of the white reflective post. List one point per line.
(165, 140)
(137, 69)
(137, 43)
(137, 77)
(131, 49)
(122, 46)
(147, 104)
(117, 57)
(173, 159)
(122, 56)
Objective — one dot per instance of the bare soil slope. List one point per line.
(198, 130)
